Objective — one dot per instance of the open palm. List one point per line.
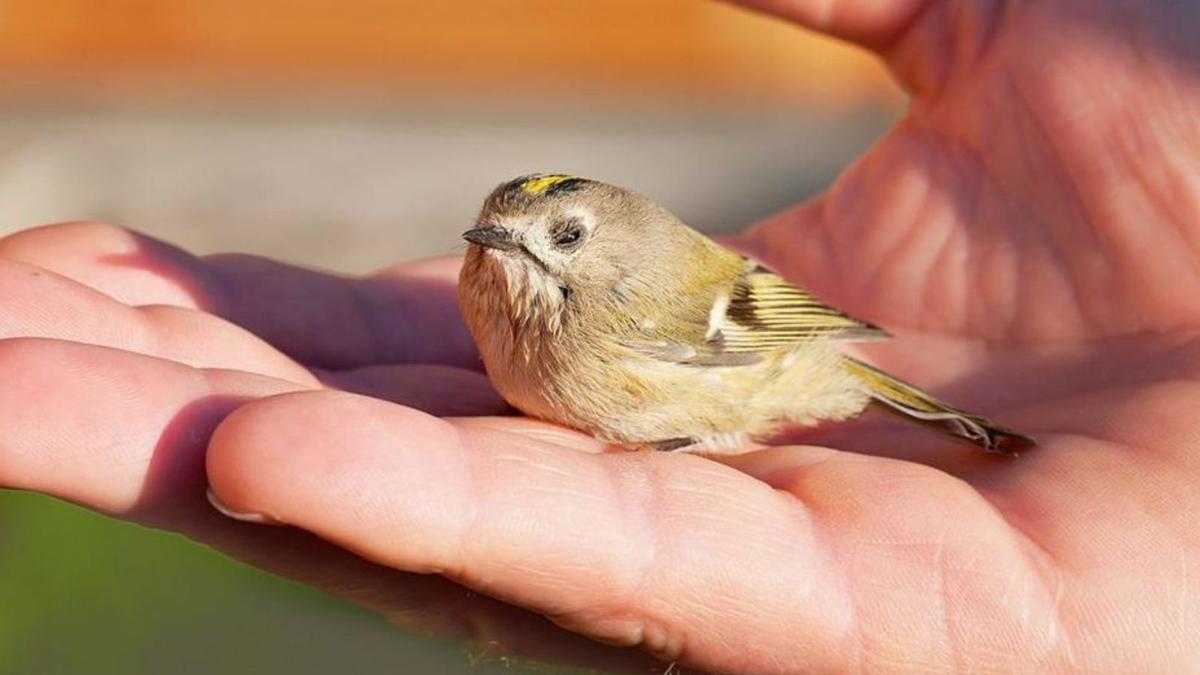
(1029, 232)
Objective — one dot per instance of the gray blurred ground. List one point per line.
(349, 190)
(354, 190)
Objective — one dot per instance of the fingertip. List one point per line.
(303, 458)
(245, 452)
(225, 510)
(873, 25)
(72, 238)
(126, 265)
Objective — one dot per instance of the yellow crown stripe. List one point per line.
(539, 185)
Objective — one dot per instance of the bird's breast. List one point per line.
(519, 318)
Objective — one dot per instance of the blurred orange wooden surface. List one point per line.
(548, 47)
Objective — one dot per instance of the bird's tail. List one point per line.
(901, 398)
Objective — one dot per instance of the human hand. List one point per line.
(1027, 232)
(114, 380)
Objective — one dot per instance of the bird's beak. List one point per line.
(491, 237)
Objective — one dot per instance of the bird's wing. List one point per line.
(767, 312)
(761, 312)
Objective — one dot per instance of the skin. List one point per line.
(1030, 232)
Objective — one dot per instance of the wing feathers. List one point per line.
(767, 312)
(760, 313)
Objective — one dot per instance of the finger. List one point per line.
(86, 423)
(38, 303)
(423, 604)
(872, 24)
(444, 391)
(552, 434)
(125, 434)
(683, 556)
(406, 314)
(132, 268)
(919, 39)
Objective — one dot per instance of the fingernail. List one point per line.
(224, 510)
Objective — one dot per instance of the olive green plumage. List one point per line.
(595, 308)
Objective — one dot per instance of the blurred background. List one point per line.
(350, 135)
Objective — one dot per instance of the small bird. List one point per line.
(595, 308)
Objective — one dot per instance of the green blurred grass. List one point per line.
(81, 593)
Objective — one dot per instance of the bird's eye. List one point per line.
(569, 237)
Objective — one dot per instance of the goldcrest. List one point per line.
(597, 309)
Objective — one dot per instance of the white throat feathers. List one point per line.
(537, 299)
